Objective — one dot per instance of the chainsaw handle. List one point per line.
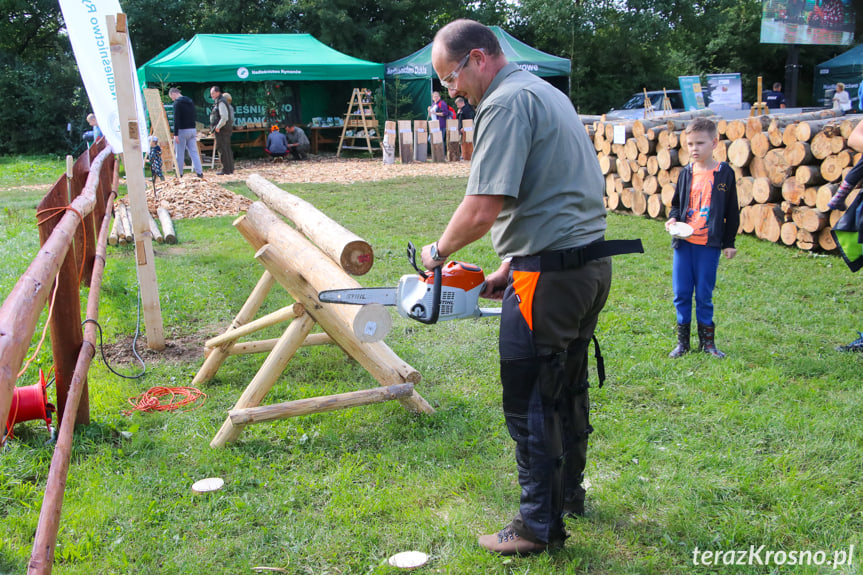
(418, 312)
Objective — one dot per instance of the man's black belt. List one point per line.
(574, 258)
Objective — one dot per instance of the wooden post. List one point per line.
(247, 312)
(268, 374)
(421, 139)
(406, 142)
(285, 314)
(135, 181)
(453, 144)
(260, 346)
(344, 247)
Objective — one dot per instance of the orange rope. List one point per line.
(150, 399)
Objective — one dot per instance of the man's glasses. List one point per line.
(448, 81)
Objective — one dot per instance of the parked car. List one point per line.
(633, 109)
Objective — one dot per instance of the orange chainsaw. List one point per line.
(451, 292)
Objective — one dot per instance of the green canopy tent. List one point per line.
(293, 75)
(413, 77)
(846, 68)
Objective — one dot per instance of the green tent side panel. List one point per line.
(220, 58)
(417, 66)
(846, 68)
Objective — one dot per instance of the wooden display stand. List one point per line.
(759, 107)
(406, 142)
(453, 143)
(421, 138)
(437, 147)
(467, 140)
(389, 142)
(303, 269)
(160, 127)
(360, 119)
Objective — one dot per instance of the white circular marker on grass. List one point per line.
(207, 485)
(409, 559)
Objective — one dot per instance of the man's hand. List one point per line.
(670, 223)
(495, 284)
(729, 253)
(428, 261)
(177, 139)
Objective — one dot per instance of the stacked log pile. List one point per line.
(787, 166)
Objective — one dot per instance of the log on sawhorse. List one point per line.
(303, 274)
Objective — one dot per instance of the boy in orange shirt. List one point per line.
(706, 199)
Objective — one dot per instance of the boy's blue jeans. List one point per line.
(694, 270)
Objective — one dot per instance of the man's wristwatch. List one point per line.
(435, 254)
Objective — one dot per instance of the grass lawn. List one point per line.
(690, 455)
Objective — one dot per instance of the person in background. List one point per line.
(706, 199)
(222, 124)
(277, 144)
(439, 111)
(298, 142)
(535, 183)
(841, 99)
(97, 132)
(185, 133)
(774, 98)
(155, 158)
(465, 112)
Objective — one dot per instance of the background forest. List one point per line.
(617, 47)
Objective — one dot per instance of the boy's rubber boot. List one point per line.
(683, 331)
(707, 341)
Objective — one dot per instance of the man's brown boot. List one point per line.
(508, 542)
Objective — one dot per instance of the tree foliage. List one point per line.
(617, 47)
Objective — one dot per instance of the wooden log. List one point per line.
(805, 240)
(639, 203)
(739, 152)
(612, 200)
(768, 222)
(720, 152)
(735, 129)
(167, 225)
(788, 233)
(807, 129)
(683, 155)
(784, 120)
(774, 134)
(798, 153)
(667, 194)
(664, 177)
(825, 193)
(630, 149)
(832, 166)
(623, 170)
(406, 141)
(667, 158)
(837, 144)
(792, 191)
(599, 139)
(821, 145)
(809, 219)
(674, 173)
(757, 125)
(154, 229)
(421, 138)
(266, 345)
(638, 176)
(437, 146)
(810, 195)
(298, 266)
(626, 197)
(645, 145)
(286, 313)
(351, 252)
(744, 190)
(261, 414)
(113, 236)
(651, 185)
(825, 240)
(848, 124)
(640, 127)
(721, 125)
(757, 167)
(626, 126)
(787, 207)
(778, 169)
(655, 208)
(760, 144)
(747, 219)
(266, 376)
(789, 135)
(611, 182)
(808, 175)
(123, 212)
(652, 165)
(607, 164)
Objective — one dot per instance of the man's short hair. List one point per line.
(702, 125)
(217, 89)
(174, 90)
(777, 86)
(459, 37)
(459, 99)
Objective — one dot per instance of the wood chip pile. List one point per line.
(788, 166)
(191, 197)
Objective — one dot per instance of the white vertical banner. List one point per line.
(85, 23)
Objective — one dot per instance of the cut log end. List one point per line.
(357, 257)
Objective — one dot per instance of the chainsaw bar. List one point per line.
(360, 296)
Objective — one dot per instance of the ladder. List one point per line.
(360, 124)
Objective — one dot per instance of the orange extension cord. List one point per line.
(178, 397)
